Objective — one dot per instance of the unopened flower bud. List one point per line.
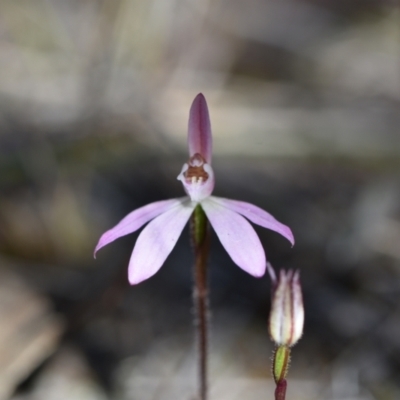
(287, 313)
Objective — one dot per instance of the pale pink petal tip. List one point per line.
(135, 220)
(258, 216)
(156, 241)
(237, 236)
(199, 133)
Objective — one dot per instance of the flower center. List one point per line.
(195, 172)
(197, 178)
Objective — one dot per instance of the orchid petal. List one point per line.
(157, 240)
(135, 220)
(237, 236)
(257, 216)
(199, 134)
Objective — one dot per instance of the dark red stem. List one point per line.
(200, 236)
(280, 391)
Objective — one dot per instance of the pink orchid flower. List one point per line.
(169, 217)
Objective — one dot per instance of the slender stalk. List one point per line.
(280, 366)
(200, 238)
(280, 391)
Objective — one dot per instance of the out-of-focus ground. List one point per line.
(304, 98)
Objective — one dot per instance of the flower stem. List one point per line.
(200, 239)
(279, 369)
(280, 391)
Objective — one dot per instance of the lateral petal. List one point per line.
(156, 241)
(256, 215)
(135, 220)
(237, 236)
(199, 133)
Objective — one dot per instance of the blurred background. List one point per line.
(94, 99)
